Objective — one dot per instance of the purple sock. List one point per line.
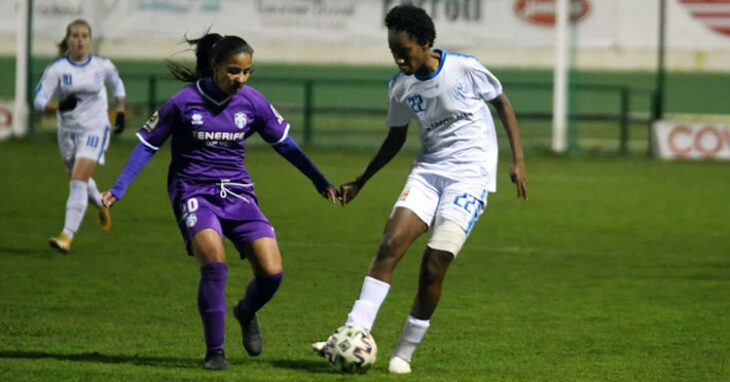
(259, 291)
(212, 303)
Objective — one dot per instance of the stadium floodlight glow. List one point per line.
(560, 78)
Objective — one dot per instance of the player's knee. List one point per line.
(434, 266)
(391, 247)
(447, 236)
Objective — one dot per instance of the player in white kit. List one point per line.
(79, 81)
(451, 177)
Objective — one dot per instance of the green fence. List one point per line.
(351, 112)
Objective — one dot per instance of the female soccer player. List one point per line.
(451, 177)
(78, 78)
(210, 190)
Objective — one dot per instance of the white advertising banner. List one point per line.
(458, 22)
(511, 31)
(674, 140)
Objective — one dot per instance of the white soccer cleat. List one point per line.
(399, 366)
(319, 347)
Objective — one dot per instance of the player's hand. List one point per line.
(68, 103)
(348, 191)
(108, 199)
(519, 178)
(119, 124)
(331, 193)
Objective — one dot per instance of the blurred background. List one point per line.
(325, 63)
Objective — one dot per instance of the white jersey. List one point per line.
(456, 127)
(87, 81)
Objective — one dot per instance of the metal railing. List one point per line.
(623, 116)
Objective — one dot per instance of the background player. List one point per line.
(451, 177)
(78, 78)
(209, 188)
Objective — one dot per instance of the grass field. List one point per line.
(615, 269)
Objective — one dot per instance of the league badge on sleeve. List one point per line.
(152, 122)
(240, 120)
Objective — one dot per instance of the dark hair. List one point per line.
(63, 45)
(210, 47)
(412, 20)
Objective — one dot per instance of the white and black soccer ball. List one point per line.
(351, 349)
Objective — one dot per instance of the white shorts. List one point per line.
(82, 144)
(430, 196)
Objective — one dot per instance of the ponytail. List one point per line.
(208, 48)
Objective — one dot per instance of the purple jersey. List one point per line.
(208, 131)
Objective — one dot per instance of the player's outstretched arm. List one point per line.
(139, 158)
(509, 121)
(289, 149)
(390, 146)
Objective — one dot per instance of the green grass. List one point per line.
(615, 269)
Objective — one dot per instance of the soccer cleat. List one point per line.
(105, 219)
(61, 242)
(399, 366)
(253, 341)
(216, 360)
(320, 348)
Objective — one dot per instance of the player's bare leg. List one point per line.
(207, 247)
(434, 265)
(402, 229)
(265, 259)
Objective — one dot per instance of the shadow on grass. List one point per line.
(313, 366)
(168, 362)
(45, 250)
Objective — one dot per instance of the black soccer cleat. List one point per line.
(216, 360)
(253, 341)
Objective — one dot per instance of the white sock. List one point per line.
(94, 194)
(413, 332)
(78, 199)
(365, 310)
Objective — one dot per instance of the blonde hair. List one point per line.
(63, 45)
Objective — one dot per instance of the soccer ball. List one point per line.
(350, 349)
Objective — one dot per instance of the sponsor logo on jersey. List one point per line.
(217, 136)
(404, 195)
(152, 122)
(449, 120)
(66, 79)
(196, 119)
(542, 12)
(240, 120)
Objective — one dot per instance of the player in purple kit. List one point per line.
(210, 190)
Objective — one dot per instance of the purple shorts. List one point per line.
(231, 209)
